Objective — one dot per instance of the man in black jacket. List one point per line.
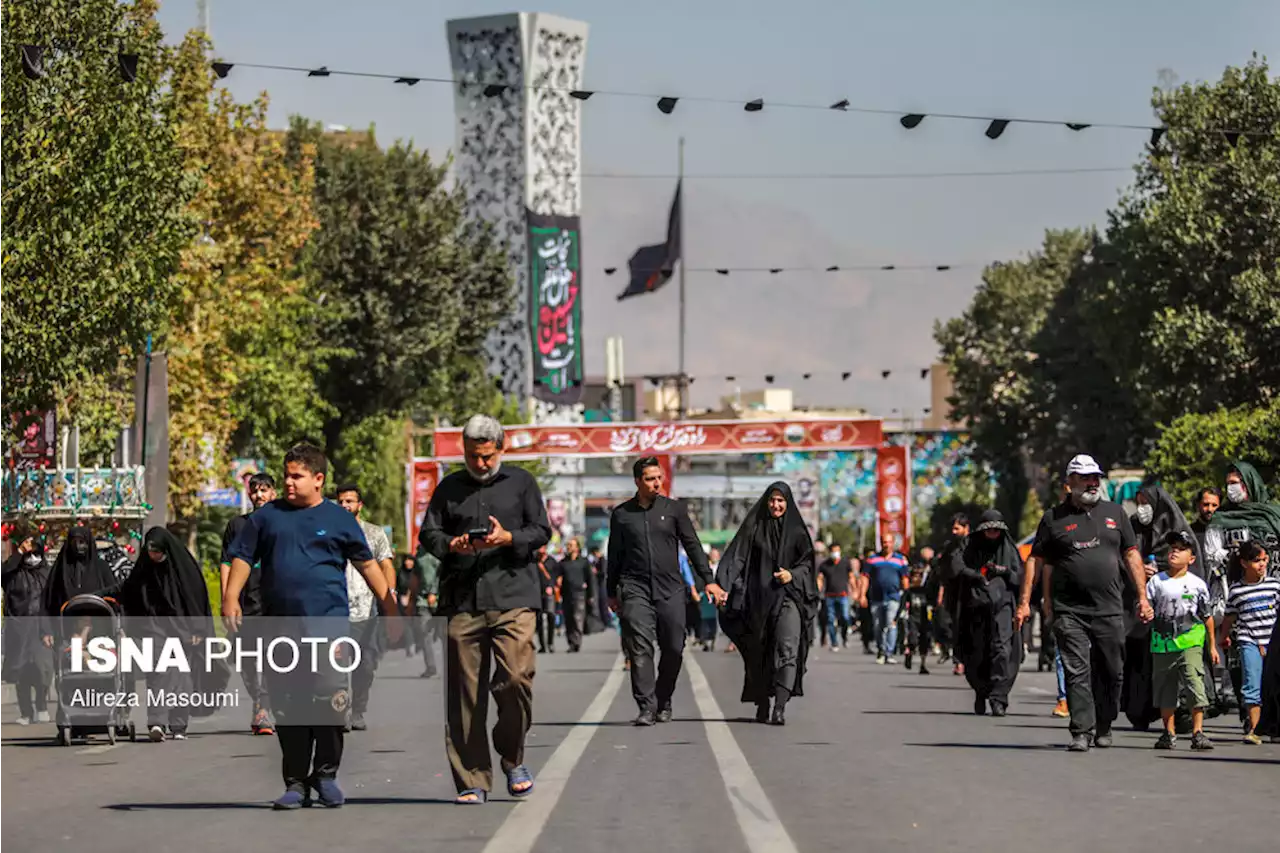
(485, 524)
(647, 589)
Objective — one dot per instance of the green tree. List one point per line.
(990, 351)
(95, 196)
(414, 287)
(1197, 245)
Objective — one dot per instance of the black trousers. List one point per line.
(1092, 649)
(647, 624)
(547, 627)
(575, 614)
(866, 626)
(33, 690)
(309, 752)
(310, 709)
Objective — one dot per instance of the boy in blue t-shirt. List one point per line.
(301, 545)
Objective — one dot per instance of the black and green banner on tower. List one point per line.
(555, 307)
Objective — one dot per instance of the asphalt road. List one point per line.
(873, 759)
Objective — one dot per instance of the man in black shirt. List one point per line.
(262, 490)
(836, 577)
(647, 589)
(485, 523)
(574, 572)
(1080, 548)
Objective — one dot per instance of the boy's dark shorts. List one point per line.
(1177, 675)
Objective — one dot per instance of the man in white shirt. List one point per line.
(364, 625)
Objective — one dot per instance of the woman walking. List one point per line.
(768, 571)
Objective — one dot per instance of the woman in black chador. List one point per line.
(166, 596)
(27, 663)
(988, 583)
(768, 572)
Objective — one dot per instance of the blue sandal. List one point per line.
(515, 776)
(480, 794)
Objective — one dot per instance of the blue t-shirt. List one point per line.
(885, 575)
(302, 553)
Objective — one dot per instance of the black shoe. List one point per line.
(1166, 741)
(980, 705)
(762, 713)
(906, 660)
(924, 670)
(1080, 743)
(663, 715)
(645, 719)
(358, 724)
(998, 709)
(1200, 743)
(779, 717)
(1103, 740)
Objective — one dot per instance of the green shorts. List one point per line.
(1178, 675)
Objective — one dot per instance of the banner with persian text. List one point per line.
(893, 494)
(674, 437)
(555, 307)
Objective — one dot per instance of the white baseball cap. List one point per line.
(1083, 464)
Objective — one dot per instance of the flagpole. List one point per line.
(682, 385)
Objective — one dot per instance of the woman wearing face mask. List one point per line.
(1157, 516)
(768, 571)
(1247, 513)
(27, 663)
(166, 596)
(989, 574)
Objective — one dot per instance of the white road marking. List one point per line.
(763, 831)
(520, 831)
(97, 750)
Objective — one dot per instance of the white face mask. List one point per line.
(32, 559)
(1236, 493)
(1146, 512)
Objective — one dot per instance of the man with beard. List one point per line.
(1207, 502)
(262, 491)
(646, 587)
(1079, 548)
(486, 523)
(574, 570)
(364, 622)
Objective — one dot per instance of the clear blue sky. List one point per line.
(1085, 60)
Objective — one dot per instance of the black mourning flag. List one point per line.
(651, 266)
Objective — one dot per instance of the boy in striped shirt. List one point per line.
(1251, 609)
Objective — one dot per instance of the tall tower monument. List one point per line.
(519, 160)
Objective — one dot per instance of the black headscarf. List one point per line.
(74, 574)
(998, 557)
(761, 545)
(1166, 518)
(172, 589)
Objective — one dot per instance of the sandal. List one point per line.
(480, 794)
(515, 776)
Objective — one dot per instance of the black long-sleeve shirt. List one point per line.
(504, 578)
(643, 553)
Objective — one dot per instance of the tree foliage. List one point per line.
(256, 215)
(414, 288)
(1096, 341)
(95, 196)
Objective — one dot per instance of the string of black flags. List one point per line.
(772, 378)
(33, 67)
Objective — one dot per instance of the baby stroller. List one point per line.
(90, 616)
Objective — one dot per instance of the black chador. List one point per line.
(768, 572)
(987, 589)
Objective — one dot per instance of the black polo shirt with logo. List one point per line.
(1086, 549)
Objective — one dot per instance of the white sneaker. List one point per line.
(43, 717)
(880, 659)
(156, 733)
(179, 735)
(890, 660)
(23, 721)
(835, 649)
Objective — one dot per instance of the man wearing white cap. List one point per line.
(1080, 548)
